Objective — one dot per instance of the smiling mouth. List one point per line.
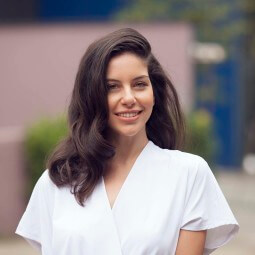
(128, 115)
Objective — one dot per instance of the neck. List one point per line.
(128, 147)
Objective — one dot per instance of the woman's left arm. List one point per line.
(191, 242)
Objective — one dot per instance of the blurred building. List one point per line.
(225, 89)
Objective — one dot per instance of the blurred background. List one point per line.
(206, 47)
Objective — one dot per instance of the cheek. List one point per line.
(111, 102)
(147, 99)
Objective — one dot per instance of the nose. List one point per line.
(128, 97)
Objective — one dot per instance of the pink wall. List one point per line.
(12, 179)
(38, 65)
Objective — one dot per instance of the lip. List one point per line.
(129, 119)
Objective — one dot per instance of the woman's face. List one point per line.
(130, 95)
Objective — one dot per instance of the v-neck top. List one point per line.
(165, 191)
(129, 175)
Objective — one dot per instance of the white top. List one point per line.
(165, 191)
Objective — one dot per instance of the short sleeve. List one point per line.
(207, 209)
(36, 223)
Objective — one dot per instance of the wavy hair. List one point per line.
(79, 160)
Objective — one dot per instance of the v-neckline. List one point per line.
(131, 171)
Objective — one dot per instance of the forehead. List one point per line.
(125, 65)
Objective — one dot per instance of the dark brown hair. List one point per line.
(79, 160)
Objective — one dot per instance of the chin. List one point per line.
(130, 133)
(127, 134)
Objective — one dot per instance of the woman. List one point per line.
(118, 184)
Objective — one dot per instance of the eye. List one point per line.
(112, 86)
(140, 84)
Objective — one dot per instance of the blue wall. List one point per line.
(219, 91)
(77, 9)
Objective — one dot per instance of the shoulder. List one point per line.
(179, 157)
(184, 157)
(44, 183)
(183, 162)
(44, 192)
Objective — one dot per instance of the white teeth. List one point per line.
(127, 115)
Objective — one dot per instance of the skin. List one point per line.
(191, 242)
(129, 88)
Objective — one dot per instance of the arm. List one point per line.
(191, 242)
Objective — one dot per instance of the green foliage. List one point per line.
(200, 139)
(217, 21)
(40, 140)
(143, 10)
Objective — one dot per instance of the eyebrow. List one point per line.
(136, 78)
